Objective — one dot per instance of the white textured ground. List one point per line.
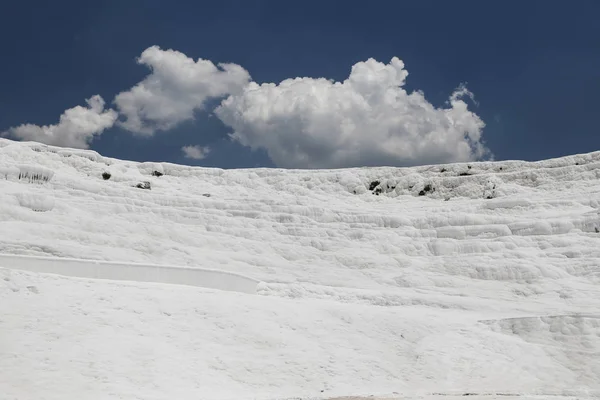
(487, 284)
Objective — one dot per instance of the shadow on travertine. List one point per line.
(212, 279)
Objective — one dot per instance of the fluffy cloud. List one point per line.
(368, 119)
(195, 152)
(77, 126)
(176, 87)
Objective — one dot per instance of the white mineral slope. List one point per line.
(488, 283)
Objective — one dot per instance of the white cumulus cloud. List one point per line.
(176, 87)
(77, 126)
(366, 120)
(195, 152)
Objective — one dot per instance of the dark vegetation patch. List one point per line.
(157, 173)
(143, 185)
(377, 188)
(427, 189)
(34, 177)
(373, 185)
(106, 175)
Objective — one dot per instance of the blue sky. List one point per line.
(533, 67)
